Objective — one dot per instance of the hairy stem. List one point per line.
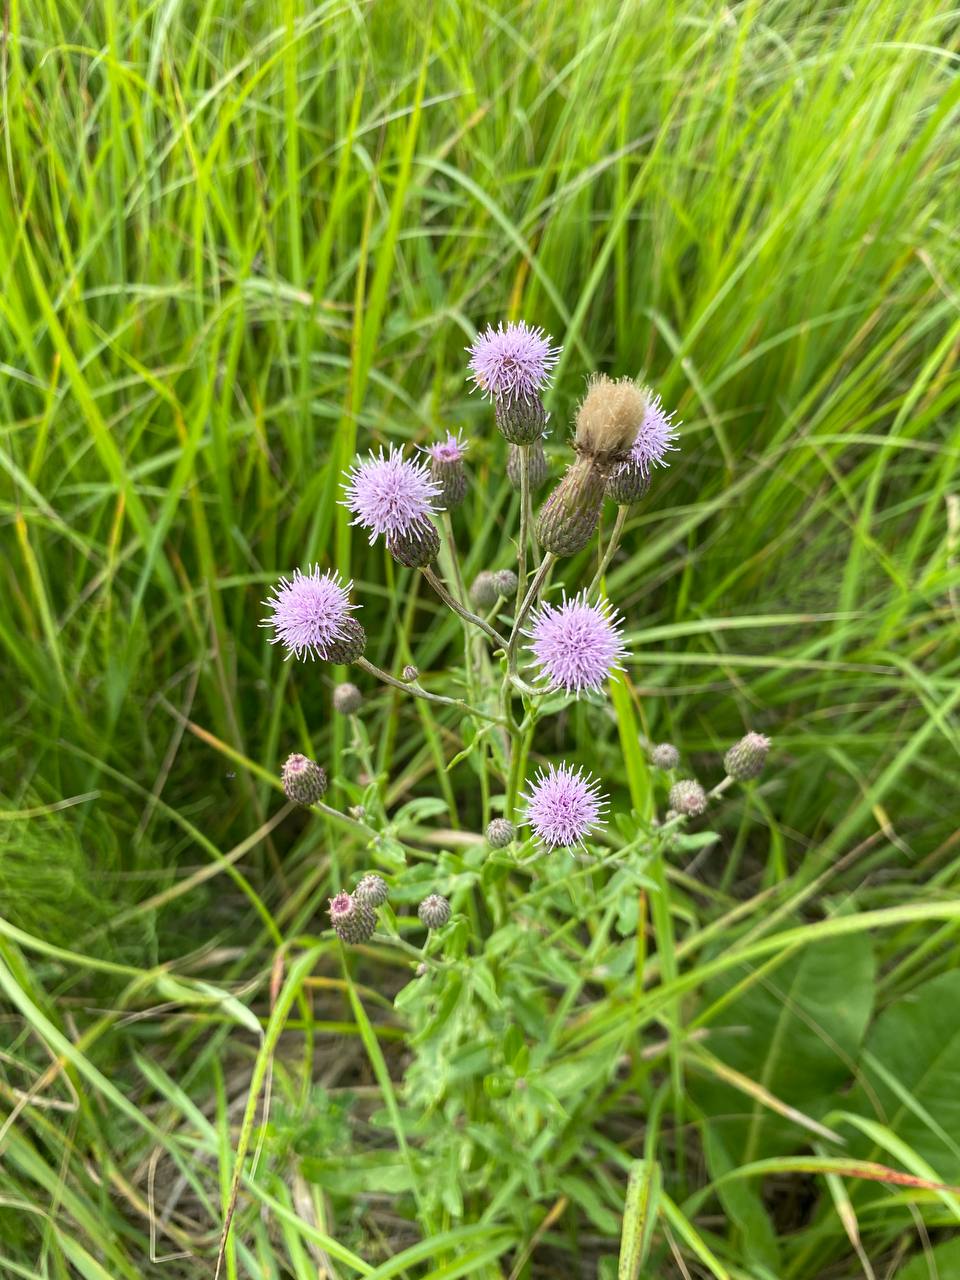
(536, 583)
(418, 691)
(611, 548)
(462, 610)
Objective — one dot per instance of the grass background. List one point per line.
(241, 242)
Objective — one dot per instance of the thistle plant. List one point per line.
(535, 643)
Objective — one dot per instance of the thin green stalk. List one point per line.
(462, 610)
(417, 691)
(611, 548)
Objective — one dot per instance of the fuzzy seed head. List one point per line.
(390, 495)
(353, 920)
(746, 758)
(310, 613)
(303, 780)
(485, 591)
(434, 911)
(665, 755)
(512, 362)
(500, 833)
(347, 699)
(372, 889)
(563, 806)
(576, 645)
(609, 417)
(537, 468)
(688, 797)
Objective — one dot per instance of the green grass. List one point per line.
(241, 242)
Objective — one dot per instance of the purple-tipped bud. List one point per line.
(347, 699)
(349, 645)
(422, 969)
(746, 758)
(447, 472)
(485, 591)
(410, 673)
(304, 782)
(505, 581)
(628, 484)
(434, 911)
(688, 797)
(357, 812)
(521, 421)
(500, 833)
(568, 518)
(665, 755)
(372, 889)
(536, 466)
(416, 547)
(353, 920)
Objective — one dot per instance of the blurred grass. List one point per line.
(240, 243)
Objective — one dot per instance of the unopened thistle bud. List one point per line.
(688, 797)
(410, 673)
(627, 484)
(505, 581)
(416, 547)
(349, 645)
(485, 591)
(521, 421)
(353, 920)
(357, 812)
(568, 518)
(500, 833)
(536, 466)
(746, 758)
(434, 911)
(447, 471)
(665, 755)
(304, 781)
(372, 889)
(347, 699)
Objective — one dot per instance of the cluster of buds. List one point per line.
(742, 762)
(353, 916)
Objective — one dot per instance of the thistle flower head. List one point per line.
(563, 806)
(352, 919)
(310, 614)
(655, 439)
(577, 644)
(452, 449)
(447, 471)
(746, 758)
(485, 592)
(512, 362)
(537, 468)
(372, 888)
(687, 797)
(505, 580)
(389, 494)
(500, 832)
(304, 781)
(609, 417)
(665, 755)
(347, 699)
(434, 911)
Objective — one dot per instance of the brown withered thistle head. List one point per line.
(609, 417)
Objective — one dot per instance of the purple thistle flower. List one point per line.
(310, 613)
(654, 439)
(578, 644)
(512, 363)
(453, 449)
(389, 494)
(563, 805)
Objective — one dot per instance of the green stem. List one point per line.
(611, 548)
(460, 609)
(524, 524)
(418, 691)
(536, 583)
(663, 932)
